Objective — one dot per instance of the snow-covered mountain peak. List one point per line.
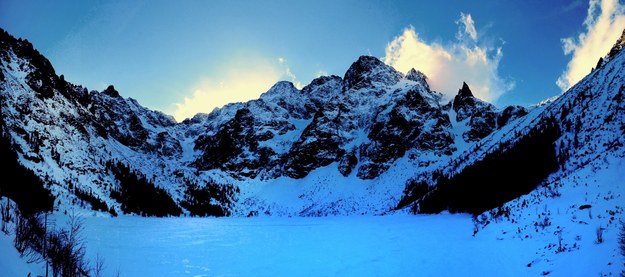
(476, 119)
(282, 87)
(417, 76)
(578, 131)
(369, 71)
(111, 91)
(466, 105)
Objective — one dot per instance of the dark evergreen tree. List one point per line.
(96, 203)
(499, 177)
(140, 196)
(208, 200)
(19, 183)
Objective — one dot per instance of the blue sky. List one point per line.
(191, 56)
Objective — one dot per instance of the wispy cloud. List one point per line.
(469, 27)
(241, 81)
(571, 6)
(321, 73)
(602, 27)
(288, 73)
(447, 66)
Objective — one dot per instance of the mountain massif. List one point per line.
(371, 142)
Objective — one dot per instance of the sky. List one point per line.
(187, 57)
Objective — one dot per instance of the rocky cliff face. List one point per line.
(483, 118)
(363, 122)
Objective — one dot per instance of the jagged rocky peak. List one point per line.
(482, 117)
(369, 71)
(465, 91)
(40, 75)
(281, 101)
(279, 91)
(420, 78)
(111, 91)
(465, 103)
(417, 76)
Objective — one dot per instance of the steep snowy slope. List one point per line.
(73, 139)
(584, 124)
(553, 177)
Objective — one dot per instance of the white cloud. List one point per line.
(288, 73)
(603, 26)
(321, 73)
(469, 27)
(243, 81)
(447, 66)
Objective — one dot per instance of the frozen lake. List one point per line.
(329, 246)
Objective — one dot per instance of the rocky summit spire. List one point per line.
(465, 104)
(111, 91)
(465, 91)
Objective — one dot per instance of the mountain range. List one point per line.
(374, 141)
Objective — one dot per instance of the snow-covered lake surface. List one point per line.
(331, 246)
(393, 245)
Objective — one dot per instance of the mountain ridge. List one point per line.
(375, 127)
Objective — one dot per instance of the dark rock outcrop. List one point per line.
(483, 118)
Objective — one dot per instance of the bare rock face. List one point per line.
(228, 148)
(362, 123)
(509, 114)
(319, 144)
(483, 118)
(413, 122)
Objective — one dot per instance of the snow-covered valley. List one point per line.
(546, 233)
(397, 245)
(352, 175)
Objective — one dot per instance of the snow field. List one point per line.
(395, 245)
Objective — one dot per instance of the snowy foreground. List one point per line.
(390, 245)
(397, 245)
(336, 246)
